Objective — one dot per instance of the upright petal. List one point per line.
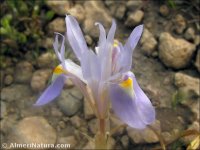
(129, 47)
(102, 35)
(75, 36)
(52, 91)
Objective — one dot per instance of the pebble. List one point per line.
(46, 60)
(57, 25)
(15, 92)
(78, 12)
(125, 141)
(8, 80)
(32, 130)
(144, 136)
(23, 72)
(133, 5)
(115, 123)
(69, 104)
(164, 10)
(95, 12)
(47, 43)
(175, 53)
(190, 84)
(59, 7)
(179, 23)
(134, 18)
(76, 121)
(197, 40)
(92, 124)
(189, 34)
(148, 42)
(3, 109)
(39, 79)
(88, 40)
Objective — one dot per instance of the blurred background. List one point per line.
(166, 63)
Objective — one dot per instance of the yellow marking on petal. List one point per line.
(58, 70)
(127, 83)
(116, 43)
(127, 86)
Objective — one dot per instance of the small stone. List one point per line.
(47, 43)
(120, 12)
(76, 93)
(69, 104)
(180, 24)
(15, 92)
(133, 5)
(189, 34)
(60, 7)
(164, 10)
(125, 141)
(88, 39)
(55, 112)
(144, 136)
(7, 123)
(111, 142)
(62, 124)
(197, 61)
(32, 130)
(148, 42)
(115, 123)
(40, 79)
(193, 126)
(78, 12)
(88, 112)
(8, 80)
(23, 72)
(175, 53)
(76, 121)
(95, 12)
(197, 40)
(69, 141)
(89, 145)
(68, 84)
(46, 60)
(57, 25)
(134, 18)
(190, 84)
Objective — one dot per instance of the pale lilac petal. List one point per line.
(75, 36)
(145, 108)
(102, 35)
(60, 53)
(125, 107)
(52, 91)
(129, 47)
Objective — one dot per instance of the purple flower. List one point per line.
(103, 76)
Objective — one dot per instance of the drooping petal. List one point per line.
(131, 104)
(129, 47)
(125, 107)
(146, 110)
(52, 91)
(75, 36)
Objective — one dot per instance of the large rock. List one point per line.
(32, 130)
(175, 53)
(15, 92)
(23, 72)
(148, 42)
(68, 103)
(57, 25)
(40, 79)
(46, 60)
(144, 136)
(197, 62)
(78, 12)
(134, 18)
(60, 7)
(95, 12)
(188, 83)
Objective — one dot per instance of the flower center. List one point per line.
(127, 86)
(58, 70)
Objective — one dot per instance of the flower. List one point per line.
(103, 76)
